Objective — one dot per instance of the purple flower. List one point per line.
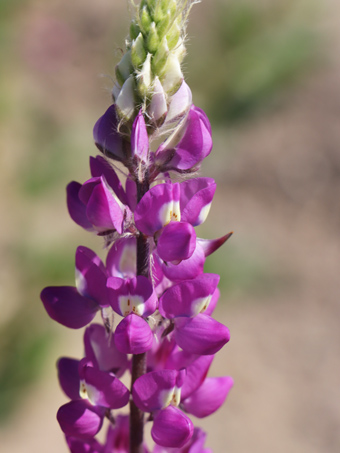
(100, 204)
(92, 391)
(107, 138)
(195, 445)
(76, 307)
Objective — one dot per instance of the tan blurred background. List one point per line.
(267, 73)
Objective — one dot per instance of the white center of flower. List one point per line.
(200, 305)
(88, 392)
(203, 214)
(131, 304)
(170, 212)
(170, 397)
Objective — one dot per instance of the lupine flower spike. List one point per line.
(153, 281)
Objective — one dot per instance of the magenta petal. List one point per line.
(106, 136)
(186, 269)
(121, 259)
(171, 428)
(188, 298)
(131, 193)
(153, 211)
(200, 335)
(65, 305)
(196, 197)
(105, 389)
(69, 377)
(208, 397)
(139, 138)
(83, 445)
(102, 352)
(196, 374)
(213, 302)
(195, 144)
(133, 335)
(100, 167)
(150, 390)
(76, 208)
(103, 210)
(80, 419)
(177, 242)
(91, 276)
(135, 295)
(211, 245)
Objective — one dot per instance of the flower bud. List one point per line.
(138, 53)
(125, 103)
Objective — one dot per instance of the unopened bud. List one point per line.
(153, 39)
(138, 53)
(158, 109)
(144, 78)
(125, 102)
(174, 34)
(145, 19)
(160, 57)
(134, 30)
(173, 75)
(124, 68)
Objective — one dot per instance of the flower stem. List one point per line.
(139, 360)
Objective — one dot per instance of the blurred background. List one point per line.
(267, 73)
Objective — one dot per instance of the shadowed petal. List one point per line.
(91, 276)
(151, 390)
(102, 352)
(69, 377)
(171, 428)
(80, 419)
(139, 138)
(196, 374)
(65, 305)
(188, 298)
(196, 197)
(76, 208)
(104, 389)
(177, 242)
(84, 446)
(200, 335)
(186, 269)
(100, 167)
(208, 397)
(133, 335)
(106, 136)
(121, 259)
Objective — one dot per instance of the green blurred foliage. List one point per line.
(253, 53)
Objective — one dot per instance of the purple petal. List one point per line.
(133, 335)
(171, 428)
(139, 138)
(118, 437)
(179, 104)
(76, 208)
(69, 377)
(102, 352)
(188, 298)
(208, 397)
(104, 389)
(213, 302)
(135, 295)
(201, 334)
(152, 391)
(80, 419)
(106, 136)
(91, 276)
(157, 208)
(194, 145)
(103, 210)
(131, 193)
(196, 197)
(84, 446)
(211, 245)
(186, 269)
(121, 259)
(65, 305)
(177, 242)
(196, 374)
(101, 167)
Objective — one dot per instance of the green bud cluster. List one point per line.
(154, 53)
